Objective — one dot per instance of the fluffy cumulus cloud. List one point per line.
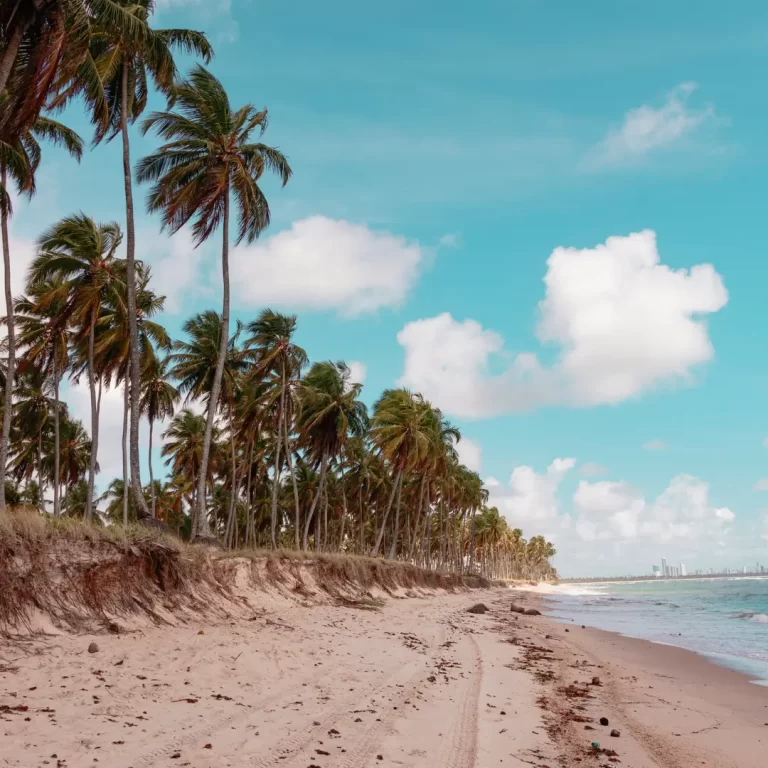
(176, 265)
(327, 264)
(357, 371)
(647, 129)
(530, 496)
(591, 469)
(624, 323)
(611, 527)
(761, 484)
(470, 454)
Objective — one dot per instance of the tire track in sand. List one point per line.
(460, 750)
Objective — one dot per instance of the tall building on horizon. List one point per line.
(682, 570)
(664, 571)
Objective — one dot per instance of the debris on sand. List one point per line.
(478, 608)
(531, 612)
(604, 721)
(615, 733)
(517, 608)
(93, 648)
(596, 681)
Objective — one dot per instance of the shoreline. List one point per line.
(415, 681)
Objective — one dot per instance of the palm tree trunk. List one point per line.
(40, 469)
(8, 57)
(412, 546)
(133, 329)
(232, 499)
(472, 541)
(393, 548)
(278, 466)
(203, 531)
(10, 373)
(289, 457)
(57, 439)
(344, 506)
(125, 451)
(362, 520)
(248, 497)
(151, 476)
(313, 506)
(94, 418)
(380, 537)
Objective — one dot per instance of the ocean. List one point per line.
(724, 619)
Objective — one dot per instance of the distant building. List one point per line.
(656, 571)
(744, 569)
(664, 571)
(682, 570)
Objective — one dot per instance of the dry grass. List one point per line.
(77, 576)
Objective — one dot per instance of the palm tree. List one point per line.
(114, 352)
(183, 451)
(331, 412)
(194, 366)
(20, 157)
(81, 252)
(400, 431)
(43, 42)
(32, 413)
(208, 155)
(124, 65)
(271, 335)
(158, 401)
(44, 339)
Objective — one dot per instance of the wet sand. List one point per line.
(418, 682)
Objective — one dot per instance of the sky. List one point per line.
(548, 218)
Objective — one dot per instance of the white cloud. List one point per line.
(176, 266)
(327, 264)
(110, 453)
(761, 484)
(765, 442)
(616, 511)
(655, 445)
(22, 252)
(624, 324)
(470, 454)
(590, 469)
(530, 496)
(357, 371)
(646, 129)
(451, 240)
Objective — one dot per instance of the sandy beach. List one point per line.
(413, 682)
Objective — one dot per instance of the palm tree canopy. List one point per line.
(208, 152)
(99, 78)
(331, 411)
(194, 361)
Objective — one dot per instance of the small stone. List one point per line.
(93, 648)
(603, 721)
(615, 733)
(379, 757)
(478, 608)
(596, 681)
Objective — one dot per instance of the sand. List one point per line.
(417, 682)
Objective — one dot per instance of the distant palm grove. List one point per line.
(260, 447)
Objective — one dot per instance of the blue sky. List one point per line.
(470, 161)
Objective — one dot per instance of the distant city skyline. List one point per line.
(668, 571)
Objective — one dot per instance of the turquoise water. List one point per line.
(725, 619)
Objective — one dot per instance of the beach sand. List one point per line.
(417, 682)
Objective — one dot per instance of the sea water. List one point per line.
(725, 619)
